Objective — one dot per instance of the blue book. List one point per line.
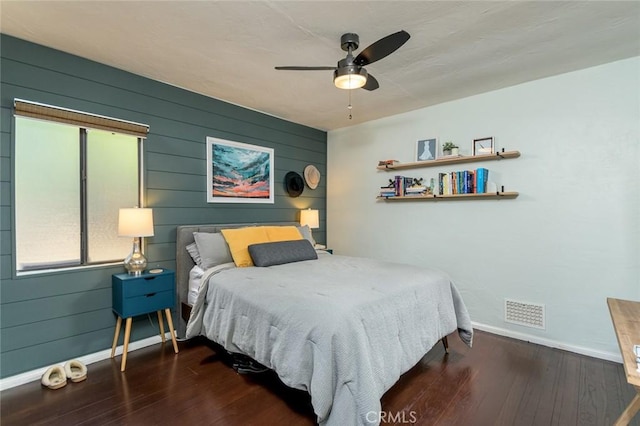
(465, 182)
(485, 179)
(480, 180)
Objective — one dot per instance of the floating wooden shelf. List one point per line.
(452, 160)
(486, 196)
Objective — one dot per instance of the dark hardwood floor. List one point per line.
(500, 381)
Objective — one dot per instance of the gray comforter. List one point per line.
(342, 328)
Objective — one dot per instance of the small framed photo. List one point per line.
(427, 149)
(483, 146)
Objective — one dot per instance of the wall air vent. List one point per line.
(524, 313)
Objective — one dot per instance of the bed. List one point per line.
(342, 328)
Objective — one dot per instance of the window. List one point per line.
(70, 181)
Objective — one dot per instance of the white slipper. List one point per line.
(54, 377)
(75, 371)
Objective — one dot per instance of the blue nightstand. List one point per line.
(138, 295)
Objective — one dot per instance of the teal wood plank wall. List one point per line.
(54, 317)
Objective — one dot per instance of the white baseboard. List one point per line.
(33, 375)
(609, 356)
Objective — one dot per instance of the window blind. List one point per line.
(77, 118)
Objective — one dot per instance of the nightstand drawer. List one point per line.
(151, 302)
(146, 284)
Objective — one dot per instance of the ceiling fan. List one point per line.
(350, 72)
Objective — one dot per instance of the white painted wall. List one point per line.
(569, 241)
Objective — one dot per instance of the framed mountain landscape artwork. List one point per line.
(239, 172)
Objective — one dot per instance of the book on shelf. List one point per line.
(388, 162)
(483, 175)
(465, 182)
(415, 189)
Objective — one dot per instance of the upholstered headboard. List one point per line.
(184, 262)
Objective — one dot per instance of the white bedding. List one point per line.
(195, 280)
(344, 329)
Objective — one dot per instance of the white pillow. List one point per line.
(195, 277)
(213, 249)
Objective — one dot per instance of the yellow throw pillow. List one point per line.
(240, 239)
(283, 233)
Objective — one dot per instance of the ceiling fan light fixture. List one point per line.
(349, 78)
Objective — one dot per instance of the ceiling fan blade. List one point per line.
(382, 48)
(306, 68)
(371, 84)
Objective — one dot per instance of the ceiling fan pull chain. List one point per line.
(349, 107)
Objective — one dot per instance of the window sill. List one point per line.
(79, 268)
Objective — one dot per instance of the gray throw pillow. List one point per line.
(278, 253)
(195, 254)
(213, 249)
(305, 231)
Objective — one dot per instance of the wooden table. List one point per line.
(625, 315)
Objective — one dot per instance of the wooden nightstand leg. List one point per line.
(116, 334)
(161, 325)
(167, 312)
(127, 334)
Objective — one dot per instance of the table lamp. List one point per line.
(136, 223)
(310, 217)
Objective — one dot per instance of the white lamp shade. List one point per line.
(310, 217)
(350, 77)
(135, 222)
(351, 81)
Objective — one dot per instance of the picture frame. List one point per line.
(483, 146)
(239, 172)
(426, 149)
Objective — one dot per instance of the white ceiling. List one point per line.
(228, 50)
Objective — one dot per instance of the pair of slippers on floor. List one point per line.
(56, 377)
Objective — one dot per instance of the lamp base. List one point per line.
(135, 263)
